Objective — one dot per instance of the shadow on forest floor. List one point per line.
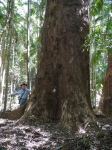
(52, 137)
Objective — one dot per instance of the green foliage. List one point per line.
(100, 41)
(96, 7)
(36, 19)
(2, 17)
(18, 53)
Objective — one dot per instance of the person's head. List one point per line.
(23, 85)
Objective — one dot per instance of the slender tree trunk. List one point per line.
(28, 43)
(2, 65)
(10, 13)
(62, 84)
(3, 85)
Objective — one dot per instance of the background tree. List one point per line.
(7, 46)
(100, 45)
(18, 54)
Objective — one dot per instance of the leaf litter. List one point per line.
(51, 136)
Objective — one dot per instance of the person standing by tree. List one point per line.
(23, 94)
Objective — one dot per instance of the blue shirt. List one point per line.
(22, 94)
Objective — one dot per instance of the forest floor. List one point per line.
(14, 136)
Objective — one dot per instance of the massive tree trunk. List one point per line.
(62, 83)
(106, 102)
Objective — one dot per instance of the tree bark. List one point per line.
(106, 102)
(62, 91)
(10, 13)
(28, 43)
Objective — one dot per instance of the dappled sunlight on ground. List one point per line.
(51, 136)
(17, 136)
(81, 130)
